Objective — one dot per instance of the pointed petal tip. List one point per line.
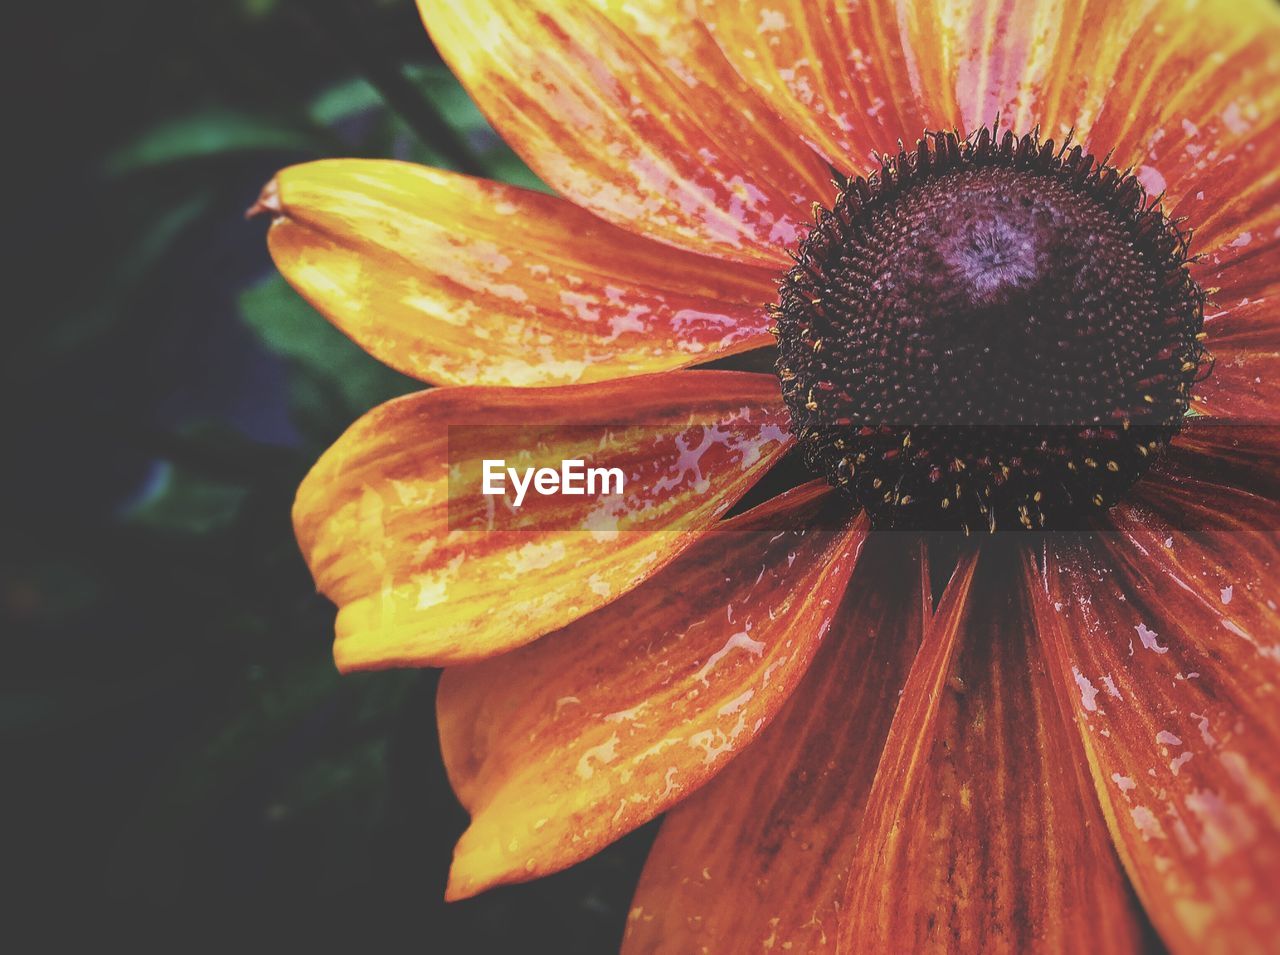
(566, 745)
(373, 517)
(268, 201)
(459, 888)
(477, 866)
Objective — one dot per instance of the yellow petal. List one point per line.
(567, 744)
(408, 557)
(456, 280)
(841, 73)
(629, 110)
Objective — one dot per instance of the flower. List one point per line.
(1083, 732)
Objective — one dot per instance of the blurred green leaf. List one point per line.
(343, 101)
(263, 745)
(290, 327)
(213, 133)
(505, 166)
(391, 137)
(259, 718)
(258, 9)
(179, 500)
(443, 89)
(133, 263)
(352, 97)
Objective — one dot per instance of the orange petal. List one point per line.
(390, 539)
(1199, 119)
(566, 745)
(630, 110)
(1211, 138)
(980, 832)
(854, 78)
(839, 73)
(1245, 457)
(761, 854)
(1165, 643)
(456, 280)
(1196, 109)
(1243, 329)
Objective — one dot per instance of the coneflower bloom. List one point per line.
(1040, 297)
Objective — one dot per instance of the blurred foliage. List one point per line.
(330, 376)
(182, 740)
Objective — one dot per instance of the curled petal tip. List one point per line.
(462, 885)
(268, 201)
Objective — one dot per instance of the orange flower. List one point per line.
(1084, 727)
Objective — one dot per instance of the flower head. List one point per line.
(867, 740)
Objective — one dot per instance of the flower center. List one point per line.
(987, 335)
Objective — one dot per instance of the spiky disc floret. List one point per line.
(989, 333)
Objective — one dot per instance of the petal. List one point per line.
(630, 110)
(770, 871)
(566, 745)
(456, 280)
(856, 78)
(1196, 109)
(839, 73)
(1245, 457)
(394, 527)
(1211, 139)
(980, 832)
(1243, 335)
(1165, 643)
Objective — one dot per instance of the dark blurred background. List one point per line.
(180, 744)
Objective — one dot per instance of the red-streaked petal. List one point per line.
(630, 110)
(455, 280)
(1243, 329)
(1245, 457)
(853, 78)
(388, 538)
(564, 746)
(840, 73)
(759, 858)
(1165, 643)
(1212, 139)
(1195, 108)
(981, 833)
